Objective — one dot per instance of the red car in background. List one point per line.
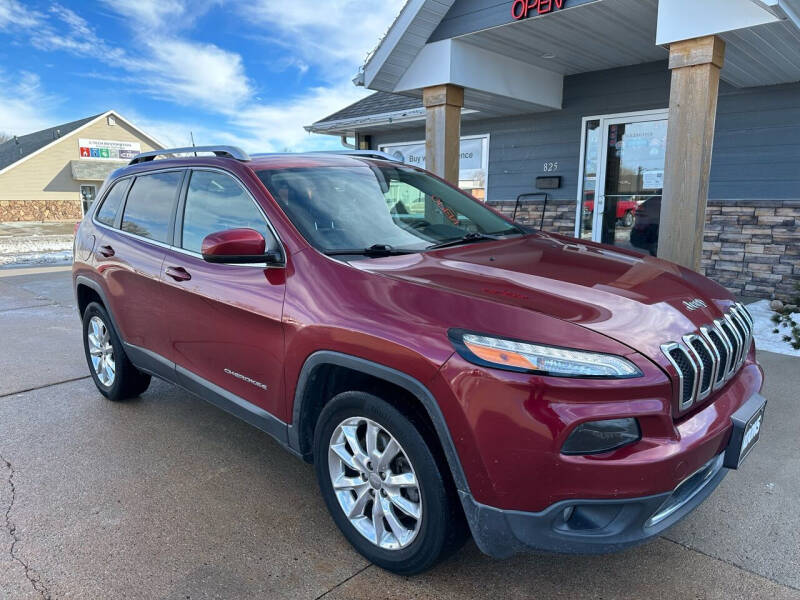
(447, 372)
(626, 209)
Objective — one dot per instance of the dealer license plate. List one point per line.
(747, 423)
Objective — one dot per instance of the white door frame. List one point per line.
(600, 182)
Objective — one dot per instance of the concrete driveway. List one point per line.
(168, 497)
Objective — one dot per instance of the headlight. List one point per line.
(543, 360)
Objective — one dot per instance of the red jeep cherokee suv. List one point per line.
(445, 369)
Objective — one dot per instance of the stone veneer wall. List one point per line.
(40, 210)
(559, 215)
(752, 247)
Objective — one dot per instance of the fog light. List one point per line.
(595, 437)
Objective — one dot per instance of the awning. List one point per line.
(508, 64)
(94, 170)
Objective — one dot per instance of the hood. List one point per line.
(637, 300)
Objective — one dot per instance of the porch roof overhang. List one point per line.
(93, 170)
(512, 66)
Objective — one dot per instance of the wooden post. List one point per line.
(695, 66)
(443, 130)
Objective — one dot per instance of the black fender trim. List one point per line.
(91, 283)
(150, 362)
(398, 378)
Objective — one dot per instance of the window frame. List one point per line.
(175, 202)
(98, 204)
(181, 209)
(116, 228)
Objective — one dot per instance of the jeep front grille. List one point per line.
(707, 359)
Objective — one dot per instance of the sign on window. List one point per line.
(473, 165)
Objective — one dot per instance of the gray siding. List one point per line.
(468, 16)
(757, 144)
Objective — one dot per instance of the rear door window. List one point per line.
(216, 202)
(107, 215)
(151, 203)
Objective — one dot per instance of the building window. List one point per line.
(473, 172)
(88, 193)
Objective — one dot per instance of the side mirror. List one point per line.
(238, 246)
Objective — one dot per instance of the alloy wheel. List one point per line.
(375, 483)
(101, 351)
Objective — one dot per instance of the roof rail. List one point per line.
(226, 151)
(361, 153)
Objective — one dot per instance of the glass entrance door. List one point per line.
(623, 179)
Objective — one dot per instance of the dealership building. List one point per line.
(670, 127)
(54, 174)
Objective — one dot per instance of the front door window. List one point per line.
(87, 197)
(623, 180)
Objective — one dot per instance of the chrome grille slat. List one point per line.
(749, 325)
(705, 361)
(728, 347)
(733, 340)
(707, 335)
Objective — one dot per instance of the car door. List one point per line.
(129, 256)
(224, 319)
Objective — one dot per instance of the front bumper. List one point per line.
(589, 526)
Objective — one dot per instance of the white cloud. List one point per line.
(14, 14)
(337, 36)
(24, 106)
(150, 14)
(259, 127)
(78, 38)
(165, 63)
(189, 72)
(274, 127)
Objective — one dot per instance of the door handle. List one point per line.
(107, 251)
(178, 273)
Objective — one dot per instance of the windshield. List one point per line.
(341, 208)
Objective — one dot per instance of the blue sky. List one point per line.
(250, 73)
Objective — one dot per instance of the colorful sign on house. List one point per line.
(108, 149)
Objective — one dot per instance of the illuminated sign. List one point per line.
(522, 9)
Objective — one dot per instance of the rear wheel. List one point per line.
(112, 371)
(383, 485)
(627, 220)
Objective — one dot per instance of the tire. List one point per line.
(440, 528)
(116, 377)
(627, 220)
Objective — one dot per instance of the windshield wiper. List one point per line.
(467, 239)
(375, 251)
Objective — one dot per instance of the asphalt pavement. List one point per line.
(168, 497)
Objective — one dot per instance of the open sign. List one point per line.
(521, 9)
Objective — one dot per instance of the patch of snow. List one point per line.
(61, 257)
(35, 250)
(765, 339)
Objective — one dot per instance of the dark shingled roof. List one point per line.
(18, 148)
(375, 104)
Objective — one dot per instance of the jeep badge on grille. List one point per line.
(694, 304)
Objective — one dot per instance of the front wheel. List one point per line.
(383, 485)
